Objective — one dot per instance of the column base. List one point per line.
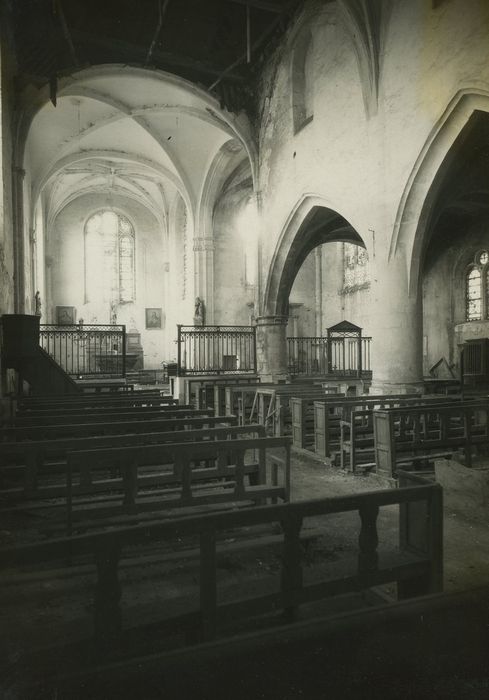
(279, 378)
(382, 387)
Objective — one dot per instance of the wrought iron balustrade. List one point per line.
(86, 350)
(216, 349)
(321, 355)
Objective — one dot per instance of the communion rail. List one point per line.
(86, 350)
(216, 349)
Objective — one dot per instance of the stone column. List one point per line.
(318, 259)
(271, 348)
(204, 275)
(18, 175)
(396, 353)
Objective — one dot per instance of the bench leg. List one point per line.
(107, 612)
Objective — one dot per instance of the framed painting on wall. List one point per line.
(65, 315)
(153, 319)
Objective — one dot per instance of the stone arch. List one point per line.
(313, 221)
(426, 179)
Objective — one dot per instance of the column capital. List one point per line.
(19, 171)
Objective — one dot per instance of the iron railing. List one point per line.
(321, 356)
(216, 349)
(86, 350)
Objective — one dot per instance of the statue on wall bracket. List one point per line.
(199, 312)
(37, 301)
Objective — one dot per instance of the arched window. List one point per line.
(477, 288)
(302, 82)
(109, 258)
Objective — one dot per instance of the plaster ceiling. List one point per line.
(142, 133)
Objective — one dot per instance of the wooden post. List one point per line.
(107, 613)
(208, 584)
(435, 539)
(130, 478)
(292, 577)
(368, 540)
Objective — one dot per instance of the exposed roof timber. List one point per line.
(161, 57)
(274, 7)
(161, 14)
(66, 32)
(256, 44)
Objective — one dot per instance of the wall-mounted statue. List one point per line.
(113, 312)
(199, 312)
(37, 300)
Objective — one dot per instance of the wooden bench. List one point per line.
(327, 414)
(240, 400)
(28, 462)
(96, 402)
(201, 390)
(178, 478)
(416, 566)
(329, 411)
(111, 415)
(101, 386)
(120, 427)
(416, 435)
(302, 416)
(357, 429)
(274, 409)
(143, 406)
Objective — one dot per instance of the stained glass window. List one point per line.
(477, 288)
(473, 295)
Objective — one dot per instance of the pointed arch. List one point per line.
(313, 221)
(425, 179)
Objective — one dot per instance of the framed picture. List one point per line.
(153, 319)
(65, 315)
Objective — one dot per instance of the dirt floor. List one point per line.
(51, 611)
(466, 541)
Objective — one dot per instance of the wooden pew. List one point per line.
(416, 566)
(120, 427)
(35, 399)
(357, 430)
(201, 390)
(95, 401)
(302, 415)
(178, 478)
(241, 401)
(111, 415)
(328, 413)
(145, 406)
(28, 462)
(416, 435)
(102, 386)
(273, 404)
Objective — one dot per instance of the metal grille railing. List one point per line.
(318, 355)
(216, 349)
(86, 350)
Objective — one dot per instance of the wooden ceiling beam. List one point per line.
(136, 53)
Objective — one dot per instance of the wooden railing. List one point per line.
(86, 350)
